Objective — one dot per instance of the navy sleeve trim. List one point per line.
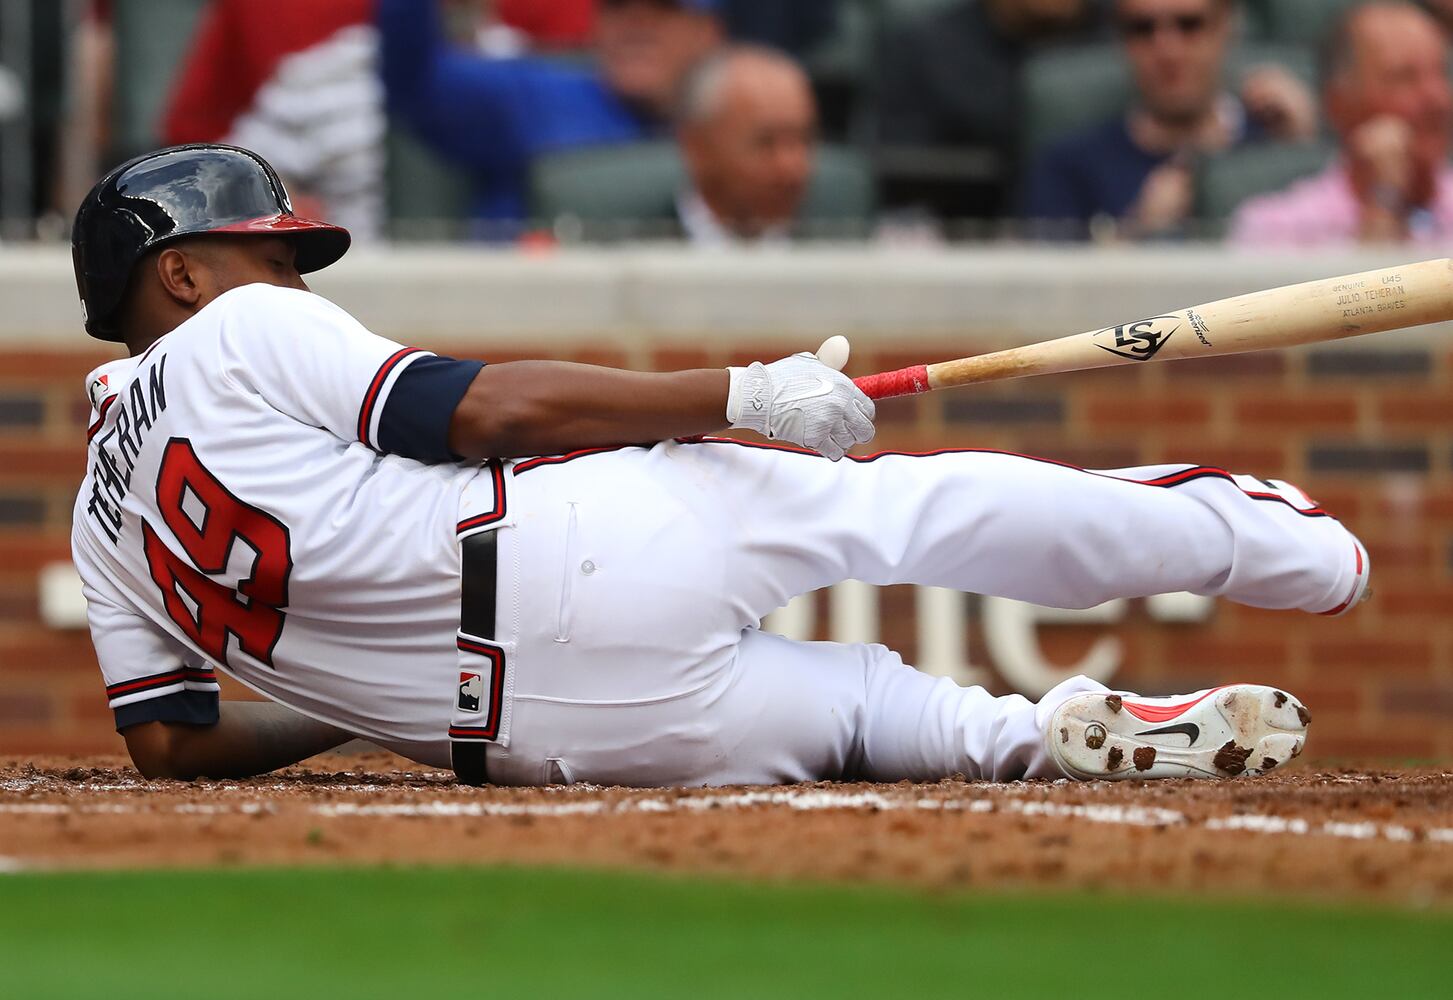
(375, 389)
(421, 404)
(199, 708)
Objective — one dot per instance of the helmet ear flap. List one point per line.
(104, 262)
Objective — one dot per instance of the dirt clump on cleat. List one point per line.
(1064, 734)
(1116, 756)
(1304, 715)
(1095, 736)
(1231, 758)
(1112, 702)
(1281, 698)
(1144, 757)
(1268, 763)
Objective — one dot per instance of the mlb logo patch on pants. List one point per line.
(482, 696)
(471, 690)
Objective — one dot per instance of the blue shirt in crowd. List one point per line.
(492, 117)
(1097, 172)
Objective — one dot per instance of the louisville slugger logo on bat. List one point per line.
(1138, 341)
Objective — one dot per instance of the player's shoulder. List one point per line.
(275, 308)
(263, 295)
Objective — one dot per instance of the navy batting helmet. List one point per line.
(182, 191)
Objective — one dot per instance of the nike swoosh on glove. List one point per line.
(802, 401)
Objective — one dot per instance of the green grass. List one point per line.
(522, 934)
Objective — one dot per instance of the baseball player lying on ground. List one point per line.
(354, 529)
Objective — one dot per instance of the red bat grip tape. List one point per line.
(903, 382)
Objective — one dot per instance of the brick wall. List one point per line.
(1365, 430)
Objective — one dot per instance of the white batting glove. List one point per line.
(803, 400)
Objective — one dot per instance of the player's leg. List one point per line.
(784, 711)
(635, 572)
(787, 711)
(631, 665)
(1010, 526)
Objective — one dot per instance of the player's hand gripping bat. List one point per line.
(1329, 309)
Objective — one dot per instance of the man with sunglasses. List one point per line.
(1387, 95)
(1136, 168)
(493, 116)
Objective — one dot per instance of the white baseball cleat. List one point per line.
(1221, 733)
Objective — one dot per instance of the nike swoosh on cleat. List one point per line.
(822, 388)
(1184, 729)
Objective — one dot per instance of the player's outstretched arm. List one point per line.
(547, 407)
(249, 738)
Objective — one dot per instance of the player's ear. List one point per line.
(177, 271)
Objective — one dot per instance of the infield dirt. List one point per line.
(1322, 834)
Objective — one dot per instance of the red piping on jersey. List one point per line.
(1356, 580)
(1201, 472)
(497, 472)
(496, 658)
(1164, 713)
(522, 467)
(1172, 479)
(375, 388)
(95, 428)
(142, 683)
(470, 733)
(194, 675)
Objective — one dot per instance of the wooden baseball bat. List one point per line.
(1328, 309)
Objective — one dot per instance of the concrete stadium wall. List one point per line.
(1362, 425)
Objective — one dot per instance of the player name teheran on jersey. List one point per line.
(269, 492)
(114, 450)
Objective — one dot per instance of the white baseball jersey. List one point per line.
(249, 504)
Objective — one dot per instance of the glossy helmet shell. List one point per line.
(182, 191)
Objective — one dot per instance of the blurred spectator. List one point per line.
(793, 26)
(296, 81)
(1442, 11)
(951, 78)
(494, 116)
(86, 129)
(747, 131)
(1388, 98)
(1137, 169)
(550, 24)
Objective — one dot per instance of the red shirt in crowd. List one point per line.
(556, 24)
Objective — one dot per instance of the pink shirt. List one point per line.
(1323, 210)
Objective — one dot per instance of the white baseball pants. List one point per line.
(641, 576)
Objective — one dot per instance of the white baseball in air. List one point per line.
(834, 352)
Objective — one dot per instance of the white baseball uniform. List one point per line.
(270, 493)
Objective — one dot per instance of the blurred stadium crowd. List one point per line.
(1264, 122)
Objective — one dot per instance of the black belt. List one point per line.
(479, 567)
(478, 579)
